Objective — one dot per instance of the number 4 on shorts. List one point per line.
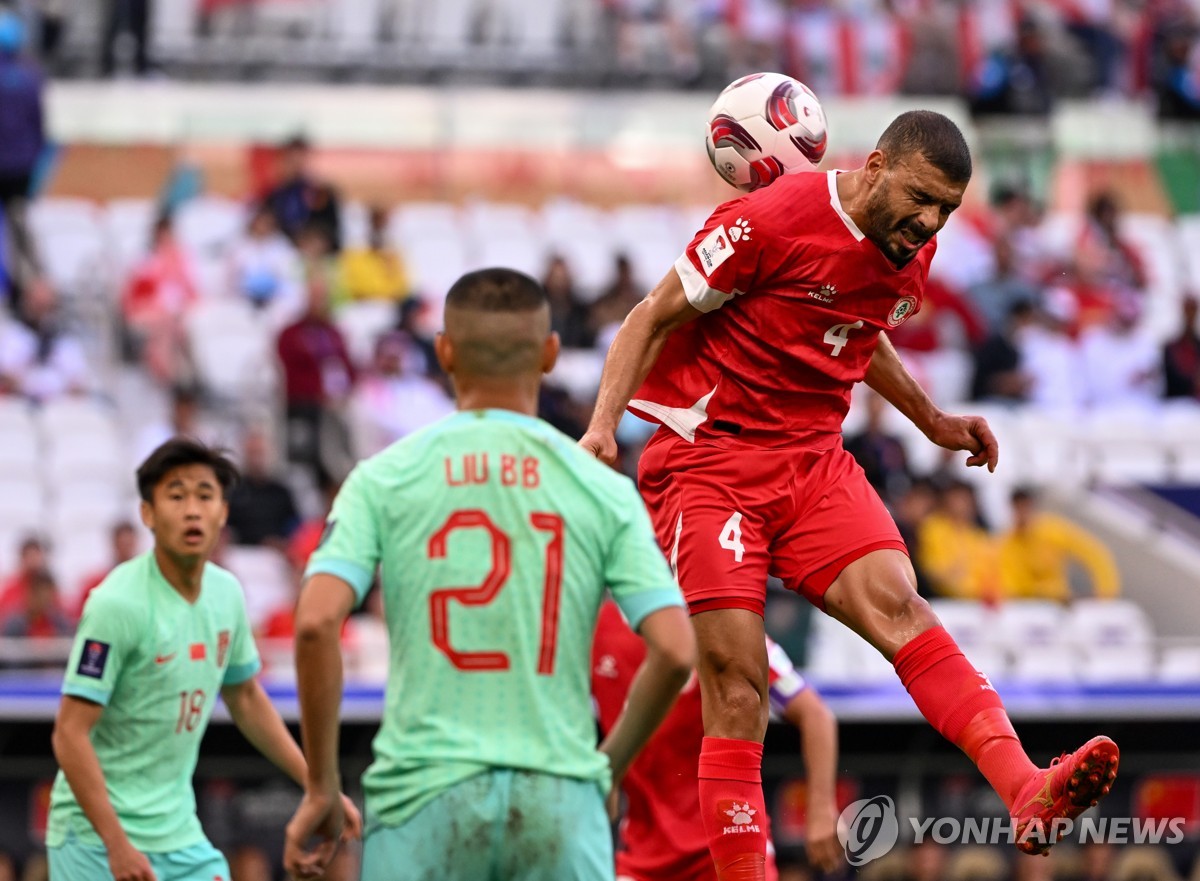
(731, 536)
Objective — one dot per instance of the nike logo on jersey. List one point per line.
(162, 659)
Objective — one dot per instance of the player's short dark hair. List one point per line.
(181, 451)
(932, 135)
(496, 290)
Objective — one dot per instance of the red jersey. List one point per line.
(662, 836)
(799, 297)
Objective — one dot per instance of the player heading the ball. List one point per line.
(746, 353)
(496, 537)
(159, 638)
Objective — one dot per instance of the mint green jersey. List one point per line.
(497, 536)
(156, 663)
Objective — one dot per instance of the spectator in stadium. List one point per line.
(568, 314)
(1025, 79)
(1181, 355)
(377, 271)
(317, 372)
(621, 295)
(126, 18)
(881, 455)
(124, 548)
(995, 298)
(1034, 555)
(1121, 362)
(262, 510)
(1177, 80)
(955, 550)
(32, 557)
(1106, 267)
(395, 398)
(1050, 356)
(299, 199)
(185, 418)
(910, 510)
(157, 295)
(38, 358)
(22, 140)
(264, 266)
(998, 375)
(41, 614)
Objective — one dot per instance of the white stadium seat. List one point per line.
(20, 453)
(206, 225)
(1022, 624)
(75, 415)
(266, 578)
(361, 323)
(232, 348)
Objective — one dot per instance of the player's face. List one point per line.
(910, 202)
(188, 511)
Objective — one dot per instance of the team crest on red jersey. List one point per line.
(904, 307)
(825, 293)
(222, 647)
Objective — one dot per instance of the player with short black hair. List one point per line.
(160, 636)
(746, 353)
(495, 536)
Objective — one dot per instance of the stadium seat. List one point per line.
(51, 216)
(1049, 441)
(1180, 664)
(21, 455)
(355, 224)
(361, 323)
(77, 416)
(1178, 431)
(1123, 445)
(76, 261)
(98, 456)
(1118, 664)
(266, 578)
(832, 652)
(231, 347)
(128, 225)
(1101, 624)
(81, 504)
(1024, 624)
(415, 220)
(582, 236)
(578, 372)
(207, 225)
(970, 624)
(1044, 664)
(22, 503)
(15, 414)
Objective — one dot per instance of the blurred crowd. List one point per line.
(1006, 56)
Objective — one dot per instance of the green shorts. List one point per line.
(502, 825)
(76, 861)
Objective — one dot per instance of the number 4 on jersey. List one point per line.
(838, 335)
(731, 536)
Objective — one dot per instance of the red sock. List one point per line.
(731, 805)
(961, 704)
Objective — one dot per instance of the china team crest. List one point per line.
(904, 307)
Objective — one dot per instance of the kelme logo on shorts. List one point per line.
(868, 829)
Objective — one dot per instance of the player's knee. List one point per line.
(735, 690)
(913, 613)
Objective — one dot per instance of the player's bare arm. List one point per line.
(325, 603)
(258, 720)
(818, 740)
(77, 757)
(670, 658)
(888, 376)
(634, 350)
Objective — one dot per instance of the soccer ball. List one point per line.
(762, 126)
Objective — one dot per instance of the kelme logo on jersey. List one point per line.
(739, 817)
(825, 293)
(740, 230)
(93, 659)
(904, 307)
(716, 248)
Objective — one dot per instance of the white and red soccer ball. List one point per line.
(763, 126)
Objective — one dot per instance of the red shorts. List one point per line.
(727, 517)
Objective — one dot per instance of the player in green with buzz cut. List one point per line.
(497, 536)
(160, 637)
